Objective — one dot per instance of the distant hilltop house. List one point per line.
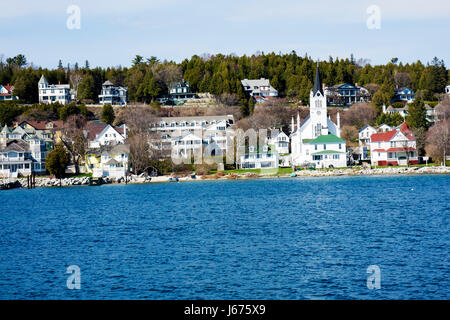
(51, 93)
(447, 89)
(6, 93)
(346, 94)
(395, 147)
(430, 112)
(260, 89)
(403, 95)
(180, 92)
(114, 95)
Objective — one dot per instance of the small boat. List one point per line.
(10, 185)
(95, 181)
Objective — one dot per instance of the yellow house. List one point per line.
(108, 161)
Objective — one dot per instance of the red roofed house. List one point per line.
(6, 93)
(393, 148)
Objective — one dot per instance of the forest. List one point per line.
(292, 75)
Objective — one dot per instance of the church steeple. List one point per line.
(317, 82)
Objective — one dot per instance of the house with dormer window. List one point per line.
(395, 147)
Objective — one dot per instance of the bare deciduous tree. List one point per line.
(144, 141)
(74, 139)
(438, 140)
(359, 115)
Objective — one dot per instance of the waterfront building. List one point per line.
(317, 139)
(403, 95)
(280, 141)
(114, 95)
(22, 152)
(346, 94)
(259, 89)
(101, 134)
(182, 134)
(395, 147)
(6, 93)
(364, 141)
(256, 157)
(51, 93)
(108, 161)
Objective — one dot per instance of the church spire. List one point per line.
(317, 82)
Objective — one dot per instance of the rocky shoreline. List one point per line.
(79, 181)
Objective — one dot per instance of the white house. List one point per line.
(447, 89)
(364, 140)
(114, 95)
(51, 93)
(100, 134)
(6, 93)
(401, 111)
(317, 140)
(395, 147)
(280, 141)
(258, 158)
(259, 89)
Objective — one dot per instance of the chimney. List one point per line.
(323, 86)
(356, 84)
(59, 82)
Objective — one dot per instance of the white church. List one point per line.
(317, 139)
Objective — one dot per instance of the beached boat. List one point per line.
(95, 181)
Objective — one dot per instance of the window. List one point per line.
(324, 147)
(336, 156)
(315, 147)
(340, 146)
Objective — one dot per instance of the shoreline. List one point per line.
(46, 182)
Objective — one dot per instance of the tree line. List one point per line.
(292, 75)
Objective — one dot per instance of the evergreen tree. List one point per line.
(107, 115)
(417, 117)
(57, 161)
(86, 88)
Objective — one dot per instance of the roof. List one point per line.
(43, 80)
(6, 129)
(407, 131)
(328, 152)
(365, 127)
(42, 125)
(383, 136)
(196, 118)
(108, 83)
(317, 82)
(256, 82)
(329, 138)
(112, 161)
(16, 145)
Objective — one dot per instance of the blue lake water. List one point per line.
(309, 238)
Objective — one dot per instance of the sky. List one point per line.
(112, 32)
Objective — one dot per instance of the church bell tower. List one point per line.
(318, 107)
